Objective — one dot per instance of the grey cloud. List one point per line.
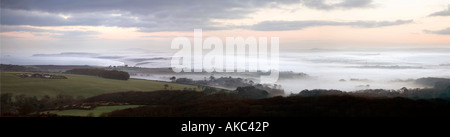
(198, 9)
(321, 4)
(76, 34)
(36, 18)
(22, 17)
(440, 32)
(8, 28)
(148, 15)
(288, 25)
(67, 54)
(386, 67)
(374, 24)
(442, 13)
(297, 25)
(355, 3)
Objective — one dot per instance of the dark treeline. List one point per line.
(234, 83)
(251, 101)
(244, 101)
(441, 89)
(111, 74)
(251, 92)
(437, 83)
(172, 97)
(296, 106)
(21, 105)
(7, 67)
(165, 97)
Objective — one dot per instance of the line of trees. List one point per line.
(21, 105)
(111, 74)
(163, 97)
(8, 67)
(426, 93)
(238, 83)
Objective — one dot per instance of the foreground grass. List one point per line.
(96, 112)
(78, 85)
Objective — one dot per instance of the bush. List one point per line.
(251, 92)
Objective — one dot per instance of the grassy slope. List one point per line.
(77, 85)
(96, 111)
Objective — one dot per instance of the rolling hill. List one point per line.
(78, 85)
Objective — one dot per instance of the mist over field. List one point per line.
(343, 69)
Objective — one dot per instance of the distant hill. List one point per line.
(43, 68)
(8, 67)
(438, 83)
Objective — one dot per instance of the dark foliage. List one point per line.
(431, 81)
(7, 67)
(185, 81)
(111, 74)
(166, 97)
(319, 92)
(21, 105)
(26, 109)
(297, 106)
(229, 82)
(427, 93)
(251, 92)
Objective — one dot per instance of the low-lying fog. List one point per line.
(345, 70)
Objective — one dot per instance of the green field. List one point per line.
(78, 85)
(96, 112)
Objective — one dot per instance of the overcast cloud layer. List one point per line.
(167, 15)
(296, 25)
(442, 13)
(441, 32)
(179, 15)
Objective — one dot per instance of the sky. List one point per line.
(53, 26)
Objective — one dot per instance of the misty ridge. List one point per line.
(68, 54)
(432, 87)
(300, 69)
(248, 99)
